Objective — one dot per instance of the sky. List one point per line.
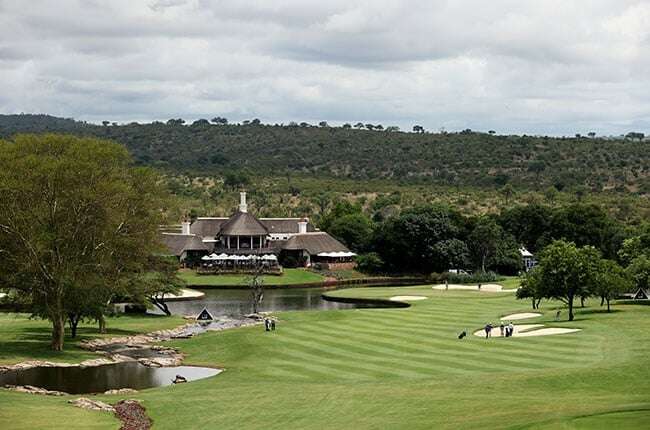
(554, 67)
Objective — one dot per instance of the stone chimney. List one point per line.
(302, 225)
(185, 226)
(243, 207)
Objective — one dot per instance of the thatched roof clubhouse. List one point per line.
(244, 237)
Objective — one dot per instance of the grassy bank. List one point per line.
(289, 277)
(398, 369)
(23, 339)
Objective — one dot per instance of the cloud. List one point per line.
(544, 67)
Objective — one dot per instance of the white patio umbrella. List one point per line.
(206, 258)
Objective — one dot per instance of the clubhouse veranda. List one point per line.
(239, 242)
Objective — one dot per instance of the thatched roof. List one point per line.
(210, 227)
(314, 243)
(284, 225)
(207, 227)
(179, 243)
(243, 224)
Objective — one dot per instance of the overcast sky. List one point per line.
(522, 66)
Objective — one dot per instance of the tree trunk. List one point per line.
(608, 310)
(73, 321)
(582, 302)
(102, 324)
(161, 304)
(58, 327)
(602, 300)
(570, 308)
(534, 303)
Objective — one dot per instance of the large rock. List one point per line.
(93, 405)
(30, 389)
(121, 391)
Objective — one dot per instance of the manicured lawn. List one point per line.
(290, 276)
(22, 338)
(510, 282)
(398, 369)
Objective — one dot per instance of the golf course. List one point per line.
(377, 368)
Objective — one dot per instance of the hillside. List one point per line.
(450, 159)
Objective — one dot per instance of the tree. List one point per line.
(528, 224)
(639, 272)
(567, 272)
(536, 167)
(369, 126)
(158, 279)
(200, 122)
(370, 263)
(418, 129)
(450, 254)
(392, 128)
(487, 242)
(323, 124)
(219, 120)
(591, 134)
(610, 280)
(256, 286)
(178, 121)
(105, 123)
(359, 125)
(507, 191)
(379, 127)
(354, 230)
(407, 242)
(346, 126)
(532, 287)
(73, 216)
(633, 135)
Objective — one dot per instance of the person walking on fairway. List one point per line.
(266, 324)
(273, 325)
(479, 287)
(446, 284)
(511, 329)
(557, 315)
(501, 326)
(488, 330)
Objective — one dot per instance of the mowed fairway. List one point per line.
(402, 368)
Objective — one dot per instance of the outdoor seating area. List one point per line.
(232, 263)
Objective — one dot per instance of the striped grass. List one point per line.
(405, 369)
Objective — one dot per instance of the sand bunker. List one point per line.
(492, 288)
(548, 331)
(520, 316)
(185, 294)
(529, 330)
(407, 298)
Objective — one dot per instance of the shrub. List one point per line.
(455, 278)
(370, 263)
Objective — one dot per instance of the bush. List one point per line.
(477, 277)
(370, 263)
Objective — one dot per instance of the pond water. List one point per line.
(97, 379)
(234, 303)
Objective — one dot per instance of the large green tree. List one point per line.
(74, 214)
(565, 272)
(491, 246)
(610, 280)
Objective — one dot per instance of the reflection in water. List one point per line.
(97, 379)
(234, 303)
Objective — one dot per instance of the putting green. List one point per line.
(396, 369)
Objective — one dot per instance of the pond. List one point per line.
(97, 379)
(235, 302)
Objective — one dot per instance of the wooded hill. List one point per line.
(451, 159)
